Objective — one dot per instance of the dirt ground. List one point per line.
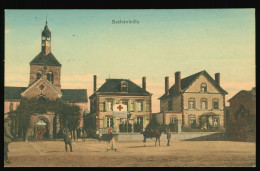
(92, 153)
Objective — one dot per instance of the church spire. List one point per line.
(46, 39)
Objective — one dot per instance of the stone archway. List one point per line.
(42, 128)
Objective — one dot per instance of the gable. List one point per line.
(196, 85)
(42, 87)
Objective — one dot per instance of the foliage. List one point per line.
(69, 114)
(153, 124)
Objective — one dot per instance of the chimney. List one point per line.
(166, 86)
(217, 78)
(95, 83)
(178, 81)
(144, 83)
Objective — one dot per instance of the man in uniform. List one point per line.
(67, 139)
(111, 141)
(168, 136)
(8, 138)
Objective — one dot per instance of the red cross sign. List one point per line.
(120, 107)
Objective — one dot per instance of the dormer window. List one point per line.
(124, 86)
(203, 88)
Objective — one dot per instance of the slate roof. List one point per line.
(13, 93)
(68, 95)
(112, 86)
(46, 31)
(74, 95)
(187, 81)
(251, 93)
(42, 59)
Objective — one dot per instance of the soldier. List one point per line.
(111, 141)
(67, 139)
(8, 138)
(168, 136)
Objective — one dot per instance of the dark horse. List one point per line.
(151, 134)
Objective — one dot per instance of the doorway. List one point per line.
(41, 130)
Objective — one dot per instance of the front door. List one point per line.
(41, 130)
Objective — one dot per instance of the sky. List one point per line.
(158, 44)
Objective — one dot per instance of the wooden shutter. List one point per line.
(105, 107)
(135, 106)
(144, 122)
(104, 122)
(114, 123)
(128, 106)
(144, 106)
(135, 120)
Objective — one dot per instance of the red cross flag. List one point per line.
(120, 108)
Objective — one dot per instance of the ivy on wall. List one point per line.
(69, 114)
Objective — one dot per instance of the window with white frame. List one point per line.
(139, 120)
(192, 121)
(138, 106)
(109, 106)
(204, 104)
(192, 104)
(109, 122)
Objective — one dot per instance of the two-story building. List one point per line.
(117, 95)
(197, 101)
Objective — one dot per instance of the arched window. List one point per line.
(42, 99)
(192, 103)
(124, 86)
(203, 88)
(50, 76)
(204, 103)
(39, 74)
(215, 104)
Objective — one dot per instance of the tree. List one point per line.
(69, 114)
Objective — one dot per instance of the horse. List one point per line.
(152, 134)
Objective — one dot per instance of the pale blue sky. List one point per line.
(164, 41)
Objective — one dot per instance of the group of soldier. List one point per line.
(111, 145)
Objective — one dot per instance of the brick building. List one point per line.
(44, 83)
(119, 94)
(197, 101)
(242, 122)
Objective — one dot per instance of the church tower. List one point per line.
(45, 64)
(46, 40)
